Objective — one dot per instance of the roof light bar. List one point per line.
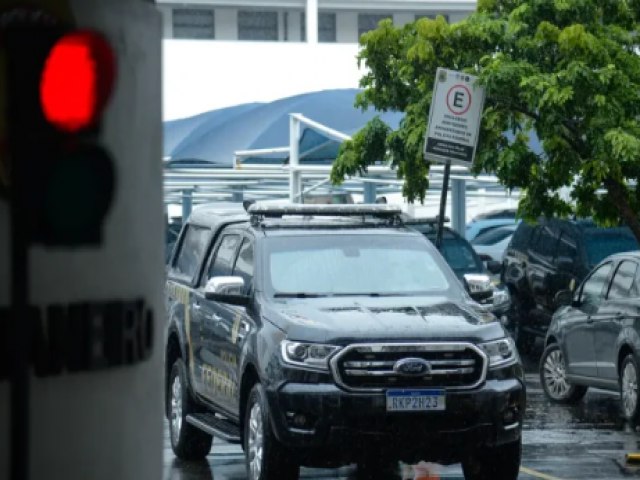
(378, 210)
(422, 220)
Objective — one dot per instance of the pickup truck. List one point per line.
(325, 335)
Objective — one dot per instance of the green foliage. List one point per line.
(566, 70)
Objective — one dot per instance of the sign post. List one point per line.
(452, 128)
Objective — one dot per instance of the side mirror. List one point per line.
(563, 298)
(226, 290)
(479, 286)
(494, 266)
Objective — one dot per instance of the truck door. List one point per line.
(215, 329)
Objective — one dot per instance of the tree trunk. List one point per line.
(618, 193)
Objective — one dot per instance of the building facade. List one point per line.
(312, 21)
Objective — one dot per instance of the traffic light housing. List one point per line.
(58, 82)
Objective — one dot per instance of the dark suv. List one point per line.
(548, 257)
(465, 262)
(324, 335)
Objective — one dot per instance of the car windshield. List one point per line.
(353, 265)
(601, 243)
(460, 256)
(493, 236)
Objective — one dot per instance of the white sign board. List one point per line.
(454, 118)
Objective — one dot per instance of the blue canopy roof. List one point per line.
(213, 137)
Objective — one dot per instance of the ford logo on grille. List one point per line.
(412, 367)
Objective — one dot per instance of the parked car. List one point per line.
(550, 256)
(594, 339)
(464, 261)
(500, 213)
(491, 245)
(333, 334)
(477, 227)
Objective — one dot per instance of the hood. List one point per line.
(341, 321)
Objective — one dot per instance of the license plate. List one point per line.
(415, 400)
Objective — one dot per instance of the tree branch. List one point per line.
(618, 193)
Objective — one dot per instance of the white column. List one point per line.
(312, 21)
(295, 179)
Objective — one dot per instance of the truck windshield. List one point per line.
(601, 243)
(375, 265)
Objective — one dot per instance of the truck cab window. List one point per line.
(223, 257)
(244, 265)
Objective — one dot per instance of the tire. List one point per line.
(629, 379)
(266, 457)
(187, 442)
(494, 463)
(553, 377)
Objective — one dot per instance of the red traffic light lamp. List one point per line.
(77, 80)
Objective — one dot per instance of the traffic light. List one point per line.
(58, 83)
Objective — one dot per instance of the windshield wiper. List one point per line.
(367, 294)
(298, 295)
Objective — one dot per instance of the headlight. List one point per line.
(310, 355)
(501, 297)
(500, 352)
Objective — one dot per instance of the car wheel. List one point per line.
(266, 457)
(553, 377)
(492, 463)
(629, 389)
(187, 442)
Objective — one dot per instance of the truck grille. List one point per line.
(374, 367)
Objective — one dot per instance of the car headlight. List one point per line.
(309, 355)
(500, 352)
(501, 297)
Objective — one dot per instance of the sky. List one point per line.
(200, 75)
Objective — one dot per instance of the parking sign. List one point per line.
(454, 118)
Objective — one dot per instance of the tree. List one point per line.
(566, 70)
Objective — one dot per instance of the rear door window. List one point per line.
(192, 249)
(623, 283)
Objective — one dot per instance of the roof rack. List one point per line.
(259, 211)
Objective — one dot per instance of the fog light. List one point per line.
(300, 420)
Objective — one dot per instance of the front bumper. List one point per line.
(343, 425)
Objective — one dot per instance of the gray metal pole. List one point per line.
(295, 179)
(370, 192)
(443, 203)
(187, 203)
(458, 205)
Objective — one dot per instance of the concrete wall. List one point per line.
(107, 424)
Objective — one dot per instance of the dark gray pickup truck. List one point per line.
(322, 335)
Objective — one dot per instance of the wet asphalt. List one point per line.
(585, 441)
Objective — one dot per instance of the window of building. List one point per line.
(193, 23)
(257, 25)
(369, 21)
(432, 16)
(326, 27)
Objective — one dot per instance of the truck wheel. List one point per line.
(493, 463)
(266, 457)
(629, 389)
(553, 377)
(187, 442)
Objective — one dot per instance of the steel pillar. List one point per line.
(458, 206)
(187, 203)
